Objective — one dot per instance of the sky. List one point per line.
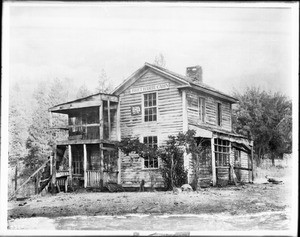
(236, 47)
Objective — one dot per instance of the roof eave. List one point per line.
(211, 92)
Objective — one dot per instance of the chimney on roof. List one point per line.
(195, 73)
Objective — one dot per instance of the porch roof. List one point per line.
(210, 132)
(89, 101)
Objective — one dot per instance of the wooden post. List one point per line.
(213, 162)
(53, 183)
(101, 119)
(119, 166)
(184, 112)
(84, 165)
(230, 173)
(108, 115)
(119, 121)
(101, 166)
(70, 163)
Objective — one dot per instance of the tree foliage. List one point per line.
(160, 60)
(103, 85)
(83, 91)
(18, 120)
(40, 136)
(266, 118)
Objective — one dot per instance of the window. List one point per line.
(84, 123)
(202, 109)
(222, 152)
(150, 107)
(151, 162)
(237, 155)
(219, 114)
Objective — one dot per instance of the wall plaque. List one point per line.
(136, 110)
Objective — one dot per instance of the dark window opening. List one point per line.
(152, 162)
(150, 107)
(219, 114)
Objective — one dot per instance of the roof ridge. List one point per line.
(189, 80)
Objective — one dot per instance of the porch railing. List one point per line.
(93, 177)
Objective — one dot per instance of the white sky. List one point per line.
(236, 47)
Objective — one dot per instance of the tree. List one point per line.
(83, 91)
(18, 124)
(104, 84)
(40, 136)
(160, 60)
(266, 118)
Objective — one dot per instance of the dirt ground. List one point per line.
(234, 200)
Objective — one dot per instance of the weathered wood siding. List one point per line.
(169, 122)
(210, 111)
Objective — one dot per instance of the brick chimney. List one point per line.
(195, 73)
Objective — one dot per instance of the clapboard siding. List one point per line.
(210, 111)
(169, 122)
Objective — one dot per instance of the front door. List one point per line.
(77, 160)
(110, 163)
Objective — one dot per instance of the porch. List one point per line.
(225, 156)
(85, 165)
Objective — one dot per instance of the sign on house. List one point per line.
(150, 88)
(136, 110)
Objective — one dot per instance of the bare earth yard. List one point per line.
(243, 199)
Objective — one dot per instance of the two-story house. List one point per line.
(152, 104)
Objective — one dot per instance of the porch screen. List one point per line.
(222, 152)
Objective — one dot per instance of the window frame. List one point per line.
(144, 107)
(222, 152)
(144, 159)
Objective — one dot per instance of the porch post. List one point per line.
(53, 181)
(118, 121)
(84, 165)
(119, 166)
(101, 166)
(70, 162)
(108, 115)
(231, 170)
(101, 118)
(213, 162)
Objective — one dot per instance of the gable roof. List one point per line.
(184, 81)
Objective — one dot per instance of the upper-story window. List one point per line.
(202, 109)
(219, 114)
(84, 123)
(150, 107)
(196, 106)
(151, 162)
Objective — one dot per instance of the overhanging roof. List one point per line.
(89, 101)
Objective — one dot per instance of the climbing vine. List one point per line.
(171, 155)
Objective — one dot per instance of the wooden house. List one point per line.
(152, 104)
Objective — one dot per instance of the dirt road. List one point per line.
(243, 199)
